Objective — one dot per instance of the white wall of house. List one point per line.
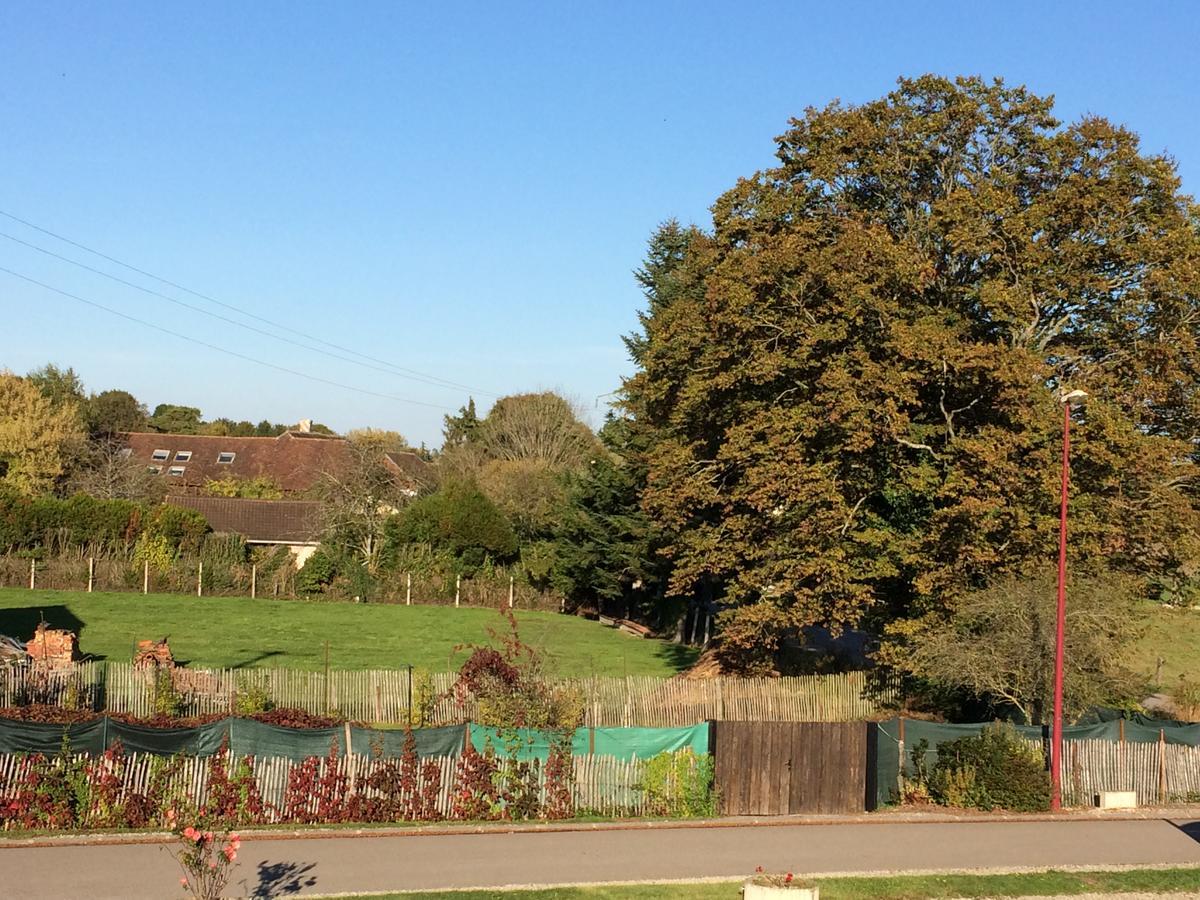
(301, 553)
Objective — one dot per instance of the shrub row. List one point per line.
(49, 525)
(67, 791)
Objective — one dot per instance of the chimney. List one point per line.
(305, 426)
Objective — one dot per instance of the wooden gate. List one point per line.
(783, 768)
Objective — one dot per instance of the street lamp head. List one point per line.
(1073, 397)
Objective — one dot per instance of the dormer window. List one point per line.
(161, 455)
(183, 456)
(176, 471)
(225, 457)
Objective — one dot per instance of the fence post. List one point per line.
(1162, 765)
(1121, 766)
(510, 591)
(91, 572)
(410, 709)
(625, 717)
(900, 767)
(200, 579)
(253, 581)
(146, 577)
(457, 586)
(32, 573)
(327, 686)
(350, 760)
(408, 591)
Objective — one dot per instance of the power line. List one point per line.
(390, 366)
(435, 382)
(219, 349)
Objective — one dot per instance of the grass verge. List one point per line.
(896, 887)
(236, 632)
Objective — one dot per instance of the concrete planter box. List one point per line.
(1117, 800)
(796, 891)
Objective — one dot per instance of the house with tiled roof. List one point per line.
(295, 524)
(295, 460)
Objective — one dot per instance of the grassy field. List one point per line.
(239, 632)
(1173, 635)
(899, 887)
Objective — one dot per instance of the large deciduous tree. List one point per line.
(997, 645)
(111, 412)
(852, 379)
(519, 455)
(38, 435)
(170, 418)
(106, 469)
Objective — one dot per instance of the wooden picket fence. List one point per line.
(1158, 772)
(603, 785)
(384, 695)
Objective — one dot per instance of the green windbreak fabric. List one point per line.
(641, 743)
(1138, 729)
(623, 743)
(202, 741)
(246, 737)
(445, 741)
(250, 738)
(39, 737)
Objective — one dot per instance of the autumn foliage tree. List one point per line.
(851, 380)
(38, 436)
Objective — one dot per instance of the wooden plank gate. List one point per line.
(787, 768)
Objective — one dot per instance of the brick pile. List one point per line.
(153, 655)
(52, 647)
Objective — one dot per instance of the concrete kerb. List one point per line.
(897, 817)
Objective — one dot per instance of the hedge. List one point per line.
(34, 524)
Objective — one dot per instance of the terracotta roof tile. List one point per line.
(268, 521)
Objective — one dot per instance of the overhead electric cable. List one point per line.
(236, 309)
(219, 349)
(205, 312)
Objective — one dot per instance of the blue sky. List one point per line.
(457, 189)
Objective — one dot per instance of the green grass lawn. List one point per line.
(898, 887)
(1174, 636)
(238, 632)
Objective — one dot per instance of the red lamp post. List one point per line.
(1056, 741)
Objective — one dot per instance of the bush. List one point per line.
(184, 528)
(679, 785)
(154, 550)
(458, 518)
(253, 699)
(316, 574)
(996, 768)
(1185, 697)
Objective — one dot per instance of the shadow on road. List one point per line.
(1191, 829)
(282, 879)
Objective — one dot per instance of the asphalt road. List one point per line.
(281, 868)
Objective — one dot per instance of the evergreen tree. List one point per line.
(462, 428)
